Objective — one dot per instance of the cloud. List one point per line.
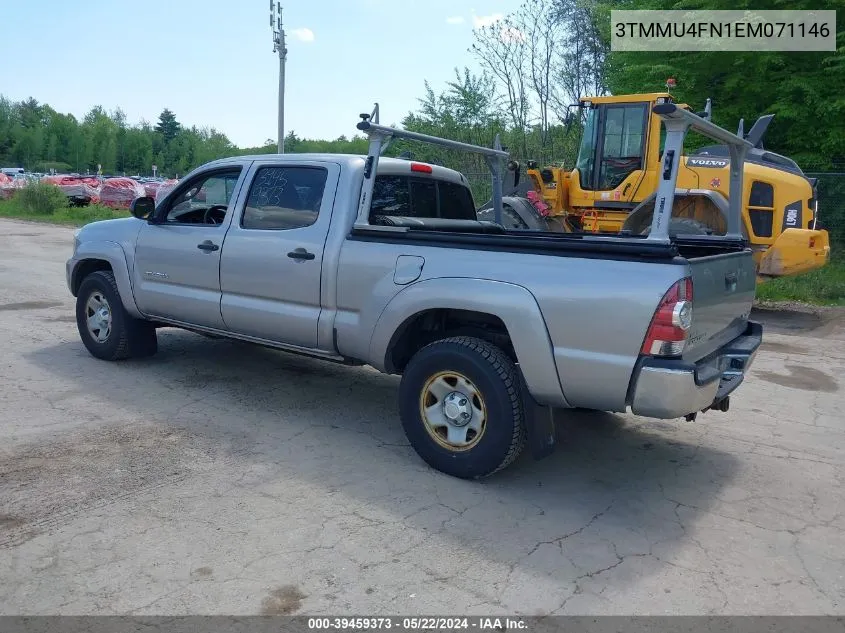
(455, 19)
(506, 33)
(480, 21)
(511, 34)
(303, 34)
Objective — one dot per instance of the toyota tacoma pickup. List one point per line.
(381, 261)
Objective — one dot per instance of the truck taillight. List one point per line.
(669, 329)
(421, 168)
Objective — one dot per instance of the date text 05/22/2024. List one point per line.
(418, 623)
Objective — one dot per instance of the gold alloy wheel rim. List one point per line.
(453, 411)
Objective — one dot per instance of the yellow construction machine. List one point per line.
(617, 171)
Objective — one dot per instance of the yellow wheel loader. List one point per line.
(612, 187)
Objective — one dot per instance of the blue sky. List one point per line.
(211, 61)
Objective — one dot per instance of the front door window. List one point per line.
(204, 200)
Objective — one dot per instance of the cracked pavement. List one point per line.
(222, 478)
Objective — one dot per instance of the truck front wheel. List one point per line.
(461, 407)
(106, 329)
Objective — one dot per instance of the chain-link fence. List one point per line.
(831, 193)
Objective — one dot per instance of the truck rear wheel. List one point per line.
(106, 329)
(461, 407)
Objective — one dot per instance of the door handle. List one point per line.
(301, 254)
(208, 246)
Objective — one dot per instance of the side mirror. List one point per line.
(511, 177)
(513, 168)
(143, 207)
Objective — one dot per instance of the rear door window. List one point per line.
(421, 198)
(283, 198)
(456, 202)
(391, 196)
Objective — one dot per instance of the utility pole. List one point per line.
(279, 47)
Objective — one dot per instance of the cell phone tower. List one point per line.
(279, 47)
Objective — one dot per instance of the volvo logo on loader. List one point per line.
(715, 163)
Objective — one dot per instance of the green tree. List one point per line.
(292, 143)
(804, 90)
(168, 127)
(138, 151)
(52, 148)
(30, 113)
(7, 122)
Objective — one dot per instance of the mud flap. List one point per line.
(539, 424)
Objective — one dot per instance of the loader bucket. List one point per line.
(796, 251)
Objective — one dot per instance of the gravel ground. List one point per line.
(222, 478)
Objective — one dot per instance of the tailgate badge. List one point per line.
(730, 282)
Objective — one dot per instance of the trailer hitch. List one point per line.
(721, 404)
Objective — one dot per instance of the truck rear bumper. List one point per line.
(674, 388)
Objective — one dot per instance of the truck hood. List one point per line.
(121, 230)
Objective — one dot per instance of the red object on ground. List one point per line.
(60, 180)
(76, 186)
(5, 186)
(118, 193)
(9, 186)
(165, 188)
(150, 188)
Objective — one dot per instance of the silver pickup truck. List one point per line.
(378, 261)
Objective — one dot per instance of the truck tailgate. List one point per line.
(723, 293)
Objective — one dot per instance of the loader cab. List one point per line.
(613, 145)
(618, 153)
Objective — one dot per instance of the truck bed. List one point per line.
(597, 299)
(487, 235)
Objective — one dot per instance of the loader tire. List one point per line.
(684, 226)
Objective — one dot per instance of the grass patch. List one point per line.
(40, 198)
(73, 216)
(823, 286)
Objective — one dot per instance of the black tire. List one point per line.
(684, 226)
(510, 218)
(495, 376)
(128, 337)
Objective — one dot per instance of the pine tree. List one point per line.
(167, 125)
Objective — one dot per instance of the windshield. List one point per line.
(587, 151)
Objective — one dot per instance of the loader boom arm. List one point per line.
(678, 122)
